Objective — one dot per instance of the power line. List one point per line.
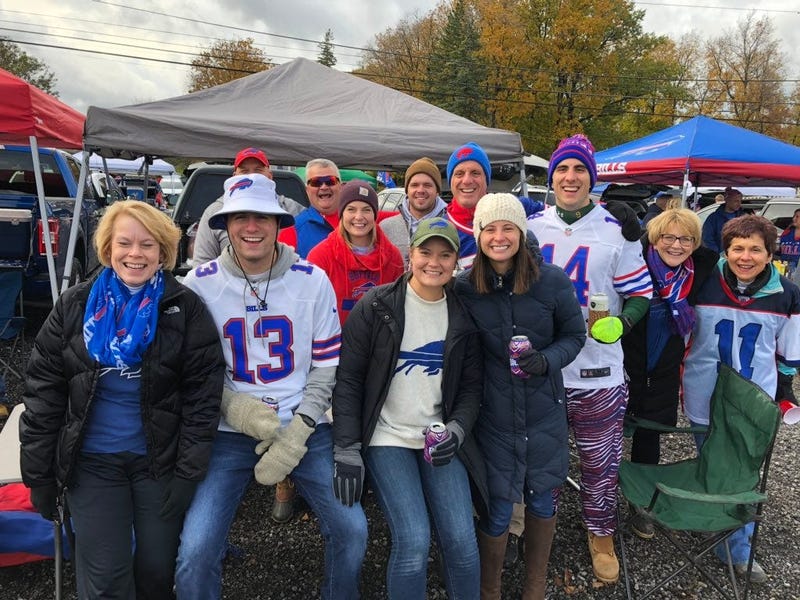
(232, 27)
(529, 69)
(739, 8)
(84, 21)
(405, 89)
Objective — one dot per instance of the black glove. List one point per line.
(631, 227)
(177, 498)
(44, 499)
(348, 474)
(443, 452)
(532, 362)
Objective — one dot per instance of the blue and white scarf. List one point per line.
(119, 326)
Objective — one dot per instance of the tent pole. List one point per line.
(146, 160)
(76, 219)
(523, 177)
(48, 247)
(684, 203)
(107, 176)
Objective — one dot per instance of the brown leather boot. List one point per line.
(283, 505)
(538, 540)
(492, 551)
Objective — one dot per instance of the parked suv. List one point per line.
(206, 185)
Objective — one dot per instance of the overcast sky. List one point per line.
(86, 79)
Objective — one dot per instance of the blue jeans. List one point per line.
(739, 542)
(500, 510)
(205, 529)
(407, 487)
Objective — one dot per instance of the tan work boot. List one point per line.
(283, 506)
(493, 551)
(604, 560)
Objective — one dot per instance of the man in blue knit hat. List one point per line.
(588, 243)
(469, 173)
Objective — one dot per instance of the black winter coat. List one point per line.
(654, 395)
(371, 340)
(181, 388)
(522, 427)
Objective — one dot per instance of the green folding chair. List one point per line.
(717, 492)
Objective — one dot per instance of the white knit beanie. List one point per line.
(498, 207)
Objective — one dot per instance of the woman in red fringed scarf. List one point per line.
(357, 256)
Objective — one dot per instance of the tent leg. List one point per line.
(59, 554)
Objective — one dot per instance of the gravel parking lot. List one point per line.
(285, 561)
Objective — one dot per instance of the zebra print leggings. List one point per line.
(596, 419)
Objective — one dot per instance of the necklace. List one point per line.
(262, 300)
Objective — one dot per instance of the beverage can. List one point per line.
(518, 345)
(598, 308)
(435, 433)
(271, 402)
(598, 302)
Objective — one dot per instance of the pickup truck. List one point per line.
(22, 242)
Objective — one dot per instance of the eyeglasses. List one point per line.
(684, 240)
(329, 180)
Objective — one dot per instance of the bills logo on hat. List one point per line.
(464, 153)
(242, 184)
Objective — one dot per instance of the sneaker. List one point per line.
(757, 574)
(512, 551)
(283, 506)
(641, 525)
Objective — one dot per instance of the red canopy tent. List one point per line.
(28, 111)
(30, 117)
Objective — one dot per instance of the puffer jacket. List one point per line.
(370, 349)
(181, 388)
(522, 424)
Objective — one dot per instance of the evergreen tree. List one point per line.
(456, 74)
(326, 56)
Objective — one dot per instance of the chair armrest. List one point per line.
(750, 497)
(633, 423)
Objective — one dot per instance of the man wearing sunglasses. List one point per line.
(323, 184)
(209, 243)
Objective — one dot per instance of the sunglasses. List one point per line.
(329, 180)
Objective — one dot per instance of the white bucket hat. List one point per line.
(254, 193)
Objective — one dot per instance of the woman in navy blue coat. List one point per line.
(522, 425)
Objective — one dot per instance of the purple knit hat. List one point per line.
(579, 147)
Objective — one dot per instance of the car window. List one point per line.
(291, 186)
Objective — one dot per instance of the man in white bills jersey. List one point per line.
(279, 330)
(587, 242)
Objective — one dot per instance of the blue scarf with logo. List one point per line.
(119, 326)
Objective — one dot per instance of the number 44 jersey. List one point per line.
(746, 333)
(271, 335)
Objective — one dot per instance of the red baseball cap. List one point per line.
(251, 153)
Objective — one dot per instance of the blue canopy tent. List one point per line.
(704, 152)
